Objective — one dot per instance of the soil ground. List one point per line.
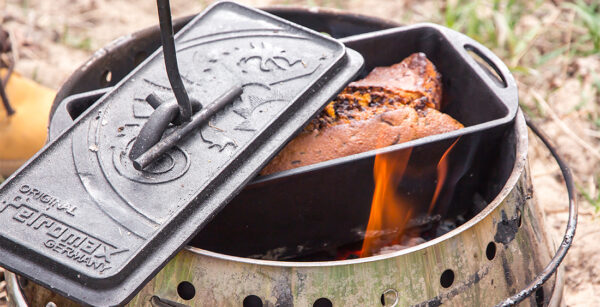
(552, 49)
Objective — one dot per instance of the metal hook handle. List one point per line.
(154, 128)
(170, 56)
(148, 145)
(561, 252)
(198, 120)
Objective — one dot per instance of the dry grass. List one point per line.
(552, 48)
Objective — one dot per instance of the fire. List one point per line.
(390, 213)
(442, 173)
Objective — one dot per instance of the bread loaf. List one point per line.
(391, 105)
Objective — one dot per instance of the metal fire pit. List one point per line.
(500, 253)
(482, 262)
(489, 258)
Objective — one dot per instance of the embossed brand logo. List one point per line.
(65, 240)
(47, 200)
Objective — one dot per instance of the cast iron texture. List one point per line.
(484, 103)
(82, 220)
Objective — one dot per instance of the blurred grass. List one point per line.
(542, 44)
(73, 41)
(588, 194)
(589, 18)
(498, 24)
(526, 46)
(494, 24)
(339, 4)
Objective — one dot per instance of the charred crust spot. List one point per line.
(421, 103)
(413, 82)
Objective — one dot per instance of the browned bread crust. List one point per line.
(414, 82)
(391, 105)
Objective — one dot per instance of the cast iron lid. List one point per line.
(80, 219)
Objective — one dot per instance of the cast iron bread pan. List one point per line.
(478, 91)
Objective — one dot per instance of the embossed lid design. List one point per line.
(81, 219)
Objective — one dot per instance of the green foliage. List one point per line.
(25, 5)
(544, 58)
(589, 18)
(492, 23)
(463, 16)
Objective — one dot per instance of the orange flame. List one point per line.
(389, 212)
(442, 173)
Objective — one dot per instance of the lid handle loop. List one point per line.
(148, 145)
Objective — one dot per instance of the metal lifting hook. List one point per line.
(150, 144)
(170, 56)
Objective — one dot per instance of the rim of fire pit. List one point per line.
(521, 145)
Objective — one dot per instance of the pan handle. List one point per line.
(479, 58)
(502, 83)
(62, 113)
(567, 240)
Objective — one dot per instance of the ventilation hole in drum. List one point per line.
(252, 301)
(447, 278)
(186, 290)
(389, 298)
(323, 302)
(490, 251)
